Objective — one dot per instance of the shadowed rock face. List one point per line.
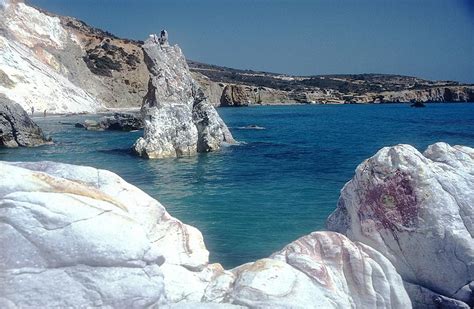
(418, 210)
(16, 127)
(178, 120)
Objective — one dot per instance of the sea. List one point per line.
(279, 183)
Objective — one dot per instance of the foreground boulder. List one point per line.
(178, 118)
(320, 270)
(16, 127)
(418, 211)
(75, 236)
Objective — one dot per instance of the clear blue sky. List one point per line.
(433, 39)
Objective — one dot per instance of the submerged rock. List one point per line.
(178, 120)
(16, 127)
(417, 210)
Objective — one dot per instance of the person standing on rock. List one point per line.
(32, 110)
(44, 113)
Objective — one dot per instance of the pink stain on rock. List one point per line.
(391, 204)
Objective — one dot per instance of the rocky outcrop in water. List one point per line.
(418, 211)
(116, 122)
(109, 244)
(177, 117)
(16, 127)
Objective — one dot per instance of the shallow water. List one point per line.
(281, 183)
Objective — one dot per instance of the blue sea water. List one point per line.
(279, 184)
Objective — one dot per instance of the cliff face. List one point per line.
(31, 72)
(233, 87)
(61, 65)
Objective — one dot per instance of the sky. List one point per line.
(432, 39)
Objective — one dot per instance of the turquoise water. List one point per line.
(282, 183)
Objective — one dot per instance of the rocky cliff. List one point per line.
(178, 120)
(233, 87)
(407, 218)
(61, 65)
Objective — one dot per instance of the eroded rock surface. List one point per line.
(110, 244)
(177, 117)
(102, 239)
(417, 210)
(320, 270)
(35, 62)
(16, 127)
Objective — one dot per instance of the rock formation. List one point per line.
(109, 244)
(178, 119)
(80, 237)
(30, 74)
(116, 122)
(16, 127)
(234, 95)
(417, 210)
(320, 270)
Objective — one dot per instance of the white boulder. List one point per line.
(78, 236)
(418, 211)
(320, 270)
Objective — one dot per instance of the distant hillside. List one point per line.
(243, 87)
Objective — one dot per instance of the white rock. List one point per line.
(417, 210)
(320, 270)
(30, 71)
(79, 236)
(178, 119)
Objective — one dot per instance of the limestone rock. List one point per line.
(418, 211)
(16, 127)
(178, 120)
(320, 270)
(101, 238)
